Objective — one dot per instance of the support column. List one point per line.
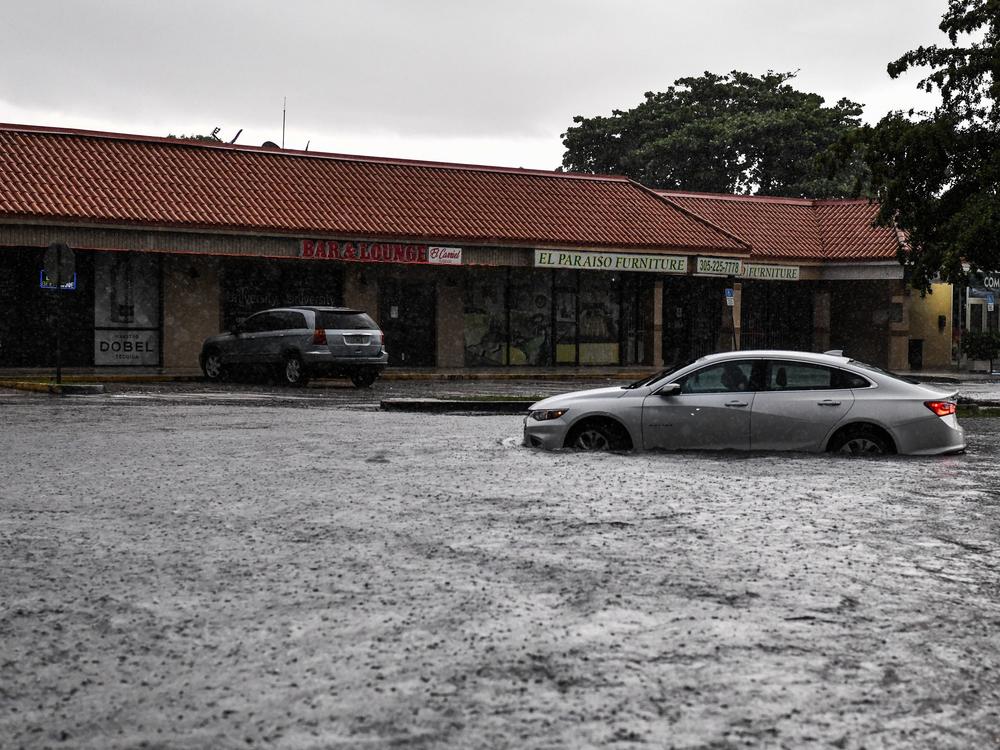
(654, 325)
(737, 313)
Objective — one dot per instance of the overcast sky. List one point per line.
(473, 81)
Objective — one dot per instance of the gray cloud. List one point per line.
(509, 73)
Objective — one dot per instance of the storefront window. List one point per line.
(536, 318)
(693, 310)
(530, 317)
(252, 285)
(565, 305)
(976, 310)
(486, 318)
(599, 319)
(778, 315)
(126, 309)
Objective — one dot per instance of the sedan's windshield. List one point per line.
(649, 379)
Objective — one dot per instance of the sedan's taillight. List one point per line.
(941, 408)
(319, 336)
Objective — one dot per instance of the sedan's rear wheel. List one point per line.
(294, 371)
(861, 441)
(603, 435)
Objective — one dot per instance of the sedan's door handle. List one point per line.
(828, 402)
(736, 403)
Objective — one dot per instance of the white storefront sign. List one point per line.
(380, 252)
(718, 267)
(126, 309)
(126, 348)
(597, 261)
(765, 272)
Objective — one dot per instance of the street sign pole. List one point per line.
(730, 303)
(60, 262)
(59, 281)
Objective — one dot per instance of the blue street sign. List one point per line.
(47, 282)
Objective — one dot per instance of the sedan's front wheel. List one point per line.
(599, 435)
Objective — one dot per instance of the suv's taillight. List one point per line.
(941, 408)
(319, 336)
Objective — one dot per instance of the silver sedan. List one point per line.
(755, 400)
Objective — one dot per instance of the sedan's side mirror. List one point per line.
(670, 389)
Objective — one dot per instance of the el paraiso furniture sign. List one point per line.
(654, 263)
(595, 261)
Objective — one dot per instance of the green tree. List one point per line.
(735, 133)
(936, 174)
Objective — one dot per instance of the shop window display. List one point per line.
(486, 318)
(536, 318)
(599, 320)
(566, 299)
(530, 318)
(250, 285)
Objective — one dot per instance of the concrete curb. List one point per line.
(443, 406)
(973, 405)
(55, 389)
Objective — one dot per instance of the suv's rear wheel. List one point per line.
(293, 371)
(211, 365)
(364, 377)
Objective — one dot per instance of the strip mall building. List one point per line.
(462, 266)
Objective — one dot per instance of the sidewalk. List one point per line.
(402, 387)
(188, 374)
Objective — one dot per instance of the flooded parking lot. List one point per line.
(190, 574)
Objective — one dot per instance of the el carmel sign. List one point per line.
(380, 252)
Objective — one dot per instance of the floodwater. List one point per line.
(206, 575)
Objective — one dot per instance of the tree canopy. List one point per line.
(937, 174)
(735, 133)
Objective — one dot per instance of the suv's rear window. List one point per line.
(344, 321)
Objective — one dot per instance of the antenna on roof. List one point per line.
(307, 144)
(215, 133)
(237, 135)
(284, 105)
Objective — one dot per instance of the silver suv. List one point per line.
(300, 342)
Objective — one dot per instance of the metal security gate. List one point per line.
(776, 315)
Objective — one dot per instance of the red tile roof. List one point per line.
(79, 176)
(795, 228)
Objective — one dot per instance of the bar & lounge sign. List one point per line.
(381, 252)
